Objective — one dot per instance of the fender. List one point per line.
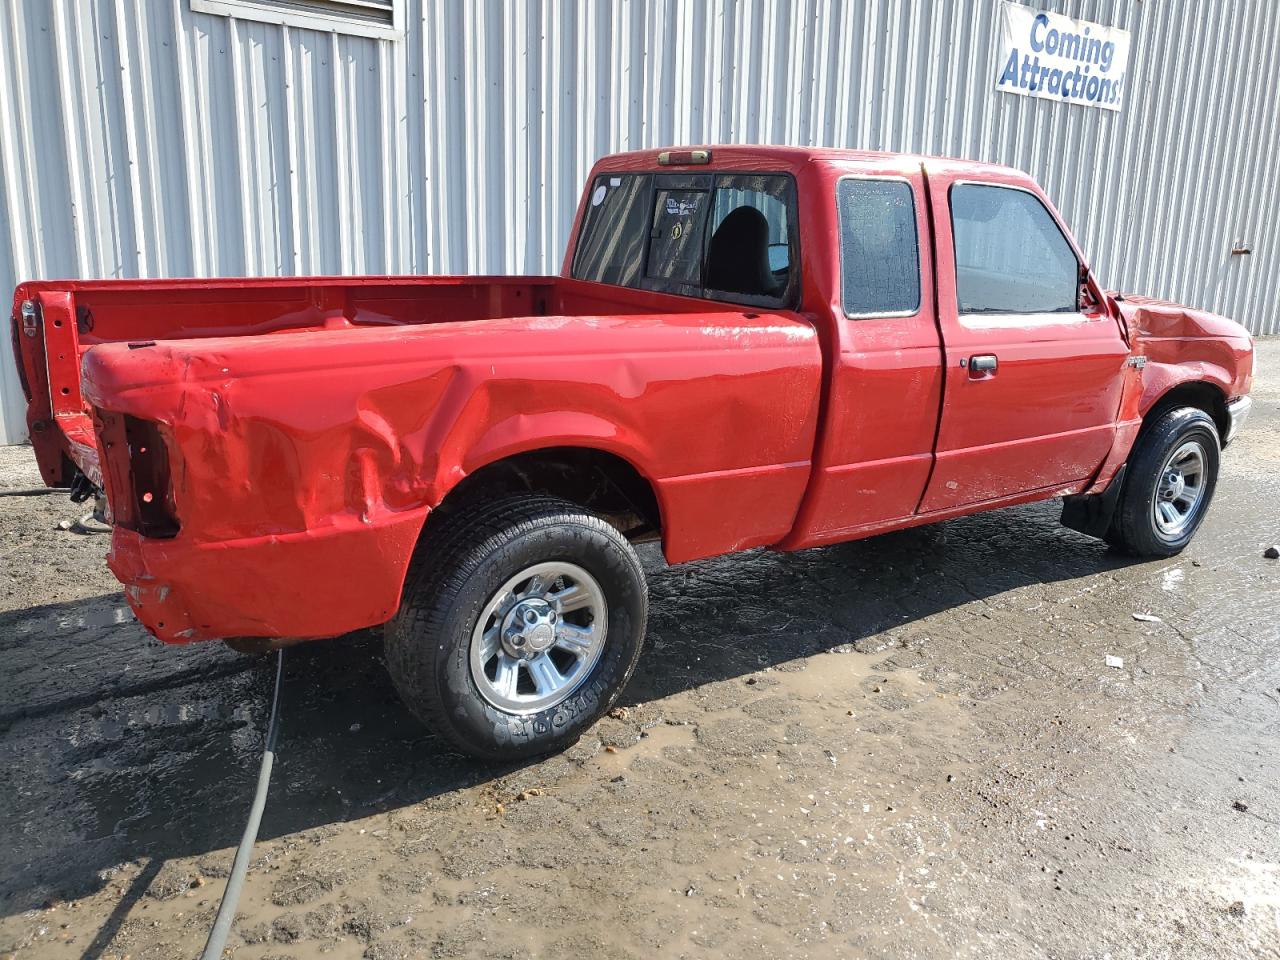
(478, 444)
(1159, 379)
(1148, 385)
(1174, 346)
(685, 502)
(1183, 345)
(527, 434)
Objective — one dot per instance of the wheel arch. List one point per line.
(601, 480)
(1201, 394)
(1092, 512)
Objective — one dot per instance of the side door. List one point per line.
(872, 259)
(1034, 363)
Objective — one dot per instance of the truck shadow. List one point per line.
(115, 748)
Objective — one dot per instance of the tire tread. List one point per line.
(1132, 531)
(450, 555)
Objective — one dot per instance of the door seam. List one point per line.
(942, 343)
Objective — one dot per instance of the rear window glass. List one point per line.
(614, 231)
(1010, 255)
(728, 237)
(879, 250)
(675, 245)
(749, 249)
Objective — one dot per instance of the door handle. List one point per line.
(982, 365)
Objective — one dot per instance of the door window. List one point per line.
(879, 251)
(1010, 255)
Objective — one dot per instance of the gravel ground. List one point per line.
(906, 747)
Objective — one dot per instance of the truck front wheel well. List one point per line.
(1201, 395)
(604, 483)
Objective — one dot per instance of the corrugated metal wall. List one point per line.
(140, 139)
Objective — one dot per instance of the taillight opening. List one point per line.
(152, 490)
(137, 474)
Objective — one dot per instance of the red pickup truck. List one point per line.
(746, 347)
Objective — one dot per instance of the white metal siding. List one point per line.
(140, 139)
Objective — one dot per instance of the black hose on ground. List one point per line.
(240, 865)
(32, 492)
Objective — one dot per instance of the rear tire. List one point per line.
(1168, 485)
(519, 627)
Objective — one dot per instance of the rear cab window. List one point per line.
(722, 236)
(1011, 256)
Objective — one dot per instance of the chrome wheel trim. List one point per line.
(538, 637)
(1180, 489)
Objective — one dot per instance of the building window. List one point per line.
(383, 19)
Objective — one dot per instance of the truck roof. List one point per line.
(726, 155)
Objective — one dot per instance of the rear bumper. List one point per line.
(309, 584)
(1238, 410)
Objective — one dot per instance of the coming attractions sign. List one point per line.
(1047, 55)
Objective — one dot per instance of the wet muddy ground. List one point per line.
(906, 747)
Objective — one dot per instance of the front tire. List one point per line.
(1168, 486)
(519, 628)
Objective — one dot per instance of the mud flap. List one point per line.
(1093, 514)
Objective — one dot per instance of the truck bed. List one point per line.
(240, 428)
(68, 317)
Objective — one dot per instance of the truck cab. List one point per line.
(972, 358)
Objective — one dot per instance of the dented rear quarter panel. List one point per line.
(346, 437)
